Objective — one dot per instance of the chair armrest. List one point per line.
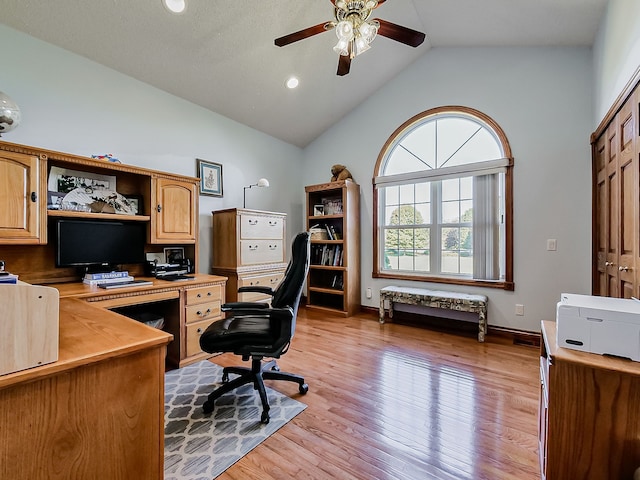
(232, 306)
(277, 313)
(258, 289)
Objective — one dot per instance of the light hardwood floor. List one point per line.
(400, 402)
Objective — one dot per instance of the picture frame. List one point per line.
(210, 175)
(174, 254)
(318, 210)
(54, 200)
(135, 201)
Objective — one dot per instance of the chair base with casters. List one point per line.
(256, 375)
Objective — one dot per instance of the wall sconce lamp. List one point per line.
(263, 182)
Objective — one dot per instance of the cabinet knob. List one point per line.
(253, 247)
(34, 197)
(273, 247)
(253, 222)
(159, 208)
(623, 268)
(199, 331)
(609, 264)
(209, 294)
(199, 296)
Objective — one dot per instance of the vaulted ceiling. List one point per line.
(220, 53)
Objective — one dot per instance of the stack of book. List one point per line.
(107, 277)
(6, 277)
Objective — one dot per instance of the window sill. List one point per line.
(503, 285)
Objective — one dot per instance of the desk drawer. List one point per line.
(254, 252)
(261, 226)
(203, 294)
(205, 311)
(194, 332)
(271, 279)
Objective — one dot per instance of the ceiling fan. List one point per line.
(355, 31)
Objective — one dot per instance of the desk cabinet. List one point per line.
(589, 421)
(96, 413)
(249, 248)
(202, 307)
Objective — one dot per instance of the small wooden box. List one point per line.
(29, 326)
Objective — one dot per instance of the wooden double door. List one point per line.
(617, 204)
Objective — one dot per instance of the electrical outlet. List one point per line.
(369, 294)
(519, 309)
(552, 244)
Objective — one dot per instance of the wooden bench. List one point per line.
(461, 302)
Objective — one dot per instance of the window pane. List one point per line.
(451, 189)
(450, 262)
(423, 192)
(450, 212)
(392, 195)
(450, 238)
(423, 213)
(466, 211)
(466, 188)
(406, 194)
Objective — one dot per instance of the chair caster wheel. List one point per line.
(264, 418)
(304, 388)
(275, 368)
(225, 377)
(207, 407)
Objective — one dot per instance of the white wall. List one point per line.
(542, 99)
(73, 105)
(616, 54)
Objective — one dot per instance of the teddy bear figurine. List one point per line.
(340, 172)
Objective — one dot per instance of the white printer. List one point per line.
(604, 325)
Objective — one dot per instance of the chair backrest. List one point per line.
(288, 293)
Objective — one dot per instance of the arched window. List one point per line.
(443, 190)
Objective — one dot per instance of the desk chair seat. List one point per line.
(256, 332)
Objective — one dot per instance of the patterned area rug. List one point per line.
(201, 447)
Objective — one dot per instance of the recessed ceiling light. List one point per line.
(175, 6)
(292, 82)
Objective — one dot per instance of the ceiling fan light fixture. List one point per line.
(368, 30)
(344, 30)
(361, 45)
(342, 47)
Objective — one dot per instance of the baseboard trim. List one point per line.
(511, 335)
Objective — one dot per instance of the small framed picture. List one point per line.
(174, 254)
(54, 200)
(318, 210)
(210, 174)
(135, 202)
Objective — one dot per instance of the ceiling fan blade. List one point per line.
(344, 64)
(302, 34)
(400, 34)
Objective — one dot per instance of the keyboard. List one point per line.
(173, 278)
(132, 283)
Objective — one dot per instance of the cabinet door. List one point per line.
(173, 217)
(20, 199)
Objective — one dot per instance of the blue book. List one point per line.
(8, 278)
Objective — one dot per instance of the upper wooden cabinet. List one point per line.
(173, 210)
(23, 199)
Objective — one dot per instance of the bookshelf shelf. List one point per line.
(333, 283)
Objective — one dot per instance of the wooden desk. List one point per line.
(96, 413)
(188, 307)
(589, 423)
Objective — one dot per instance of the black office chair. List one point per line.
(258, 331)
